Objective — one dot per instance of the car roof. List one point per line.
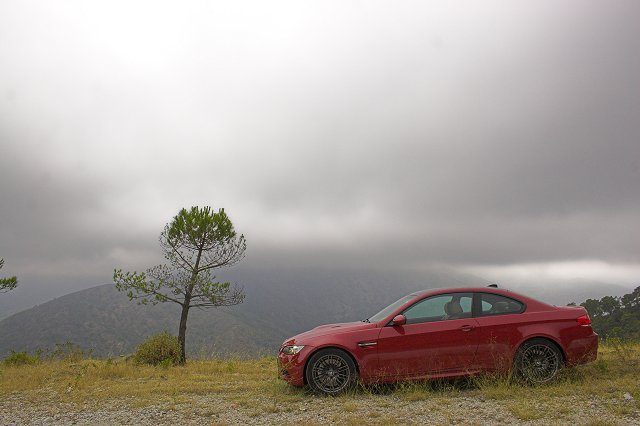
(460, 289)
(494, 290)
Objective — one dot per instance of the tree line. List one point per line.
(616, 316)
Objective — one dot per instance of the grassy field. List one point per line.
(229, 391)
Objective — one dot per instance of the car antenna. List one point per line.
(493, 285)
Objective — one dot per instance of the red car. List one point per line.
(442, 333)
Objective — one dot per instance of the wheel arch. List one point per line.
(320, 348)
(542, 337)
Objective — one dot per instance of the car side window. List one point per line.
(494, 304)
(440, 307)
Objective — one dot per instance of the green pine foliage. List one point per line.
(8, 283)
(616, 317)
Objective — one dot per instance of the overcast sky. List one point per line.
(498, 138)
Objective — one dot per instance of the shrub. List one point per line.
(68, 351)
(622, 349)
(161, 349)
(21, 358)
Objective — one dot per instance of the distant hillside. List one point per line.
(279, 304)
(103, 319)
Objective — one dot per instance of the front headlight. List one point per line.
(292, 349)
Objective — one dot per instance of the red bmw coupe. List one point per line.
(442, 333)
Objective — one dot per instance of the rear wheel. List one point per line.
(538, 361)
(330, 372)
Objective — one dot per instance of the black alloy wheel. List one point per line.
(538, 361)
(330, 372)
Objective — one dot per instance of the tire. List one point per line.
(330, 372)
(538, 361)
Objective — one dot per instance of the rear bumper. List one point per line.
(583, 350)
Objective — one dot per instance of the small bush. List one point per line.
(622, 349)
(21, 358)
(68, 351)
(161, 349)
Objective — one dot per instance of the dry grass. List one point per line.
(97, 380)
(253, 386)
(599, 386)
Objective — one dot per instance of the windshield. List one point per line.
(389, 309)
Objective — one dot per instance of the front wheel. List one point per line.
(538, 361)
(330, 372)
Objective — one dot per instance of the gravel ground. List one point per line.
(214, 409)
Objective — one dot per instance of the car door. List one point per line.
(432, 341)
(499, 319)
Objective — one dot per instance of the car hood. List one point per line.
(324, 330)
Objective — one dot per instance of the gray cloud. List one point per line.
(373, 132)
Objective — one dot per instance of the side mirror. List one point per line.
(399, 320)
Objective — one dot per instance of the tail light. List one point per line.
(584, 320)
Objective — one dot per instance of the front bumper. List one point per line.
(291, 367)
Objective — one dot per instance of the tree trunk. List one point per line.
(182, 331)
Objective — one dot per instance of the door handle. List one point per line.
(466, 328)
